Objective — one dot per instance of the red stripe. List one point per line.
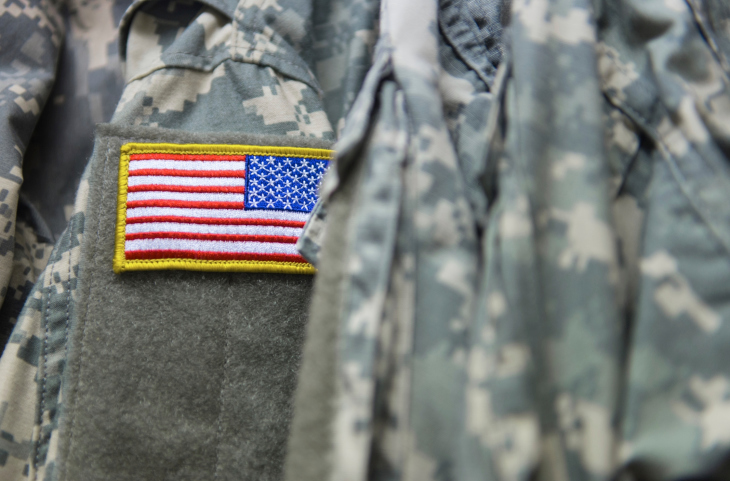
(186, 188)
(213, 256)
(163, 156)
(213, 221)
(184, 203)
(189, 173)
(281, 239)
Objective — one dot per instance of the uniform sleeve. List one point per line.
(193, 371)
(29, 51)
(59, 74)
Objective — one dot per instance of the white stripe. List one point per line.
(186, 181)
(210, 246)
(187, 165)
(191, 196)
(213, 229)
(218, 213)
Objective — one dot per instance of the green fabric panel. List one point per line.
(310, 441)
(177, 374)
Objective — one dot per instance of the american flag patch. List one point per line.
(215, 207)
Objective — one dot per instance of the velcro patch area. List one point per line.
(215, 207)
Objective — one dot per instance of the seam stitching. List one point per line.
(238, 57)
(44, 384)
(134, 148)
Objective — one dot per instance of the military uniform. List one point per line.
(60, 76)
(522, 246)
(243, 74)
(526, 269)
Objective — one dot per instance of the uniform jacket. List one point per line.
(522, 244)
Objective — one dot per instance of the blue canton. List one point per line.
(283, 183)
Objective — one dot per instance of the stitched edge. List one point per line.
(221, 266)
(119, 257)
(215, 61)
(242, 57)
(95, 242)
(709, 34)
(169, 148)
(44, 382)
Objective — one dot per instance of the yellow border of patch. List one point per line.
(121, 264)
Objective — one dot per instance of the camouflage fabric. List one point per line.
(19, 367)
(289, 69)
(536, 264)
(29, 47)
(65, 53)
(536, 257)
(258, 67)
(32, 365)
(86, 90)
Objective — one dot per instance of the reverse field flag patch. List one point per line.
(215, 207)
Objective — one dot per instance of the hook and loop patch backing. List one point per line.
(215, 207)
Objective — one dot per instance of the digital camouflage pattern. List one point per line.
(289, 69)
(282, 68)
(29, 46)
(32, 364)
(537, 260)
(86, 90)
(59, 75)
(536, 265)
(19, 367)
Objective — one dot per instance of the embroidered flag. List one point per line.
(215, 207)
